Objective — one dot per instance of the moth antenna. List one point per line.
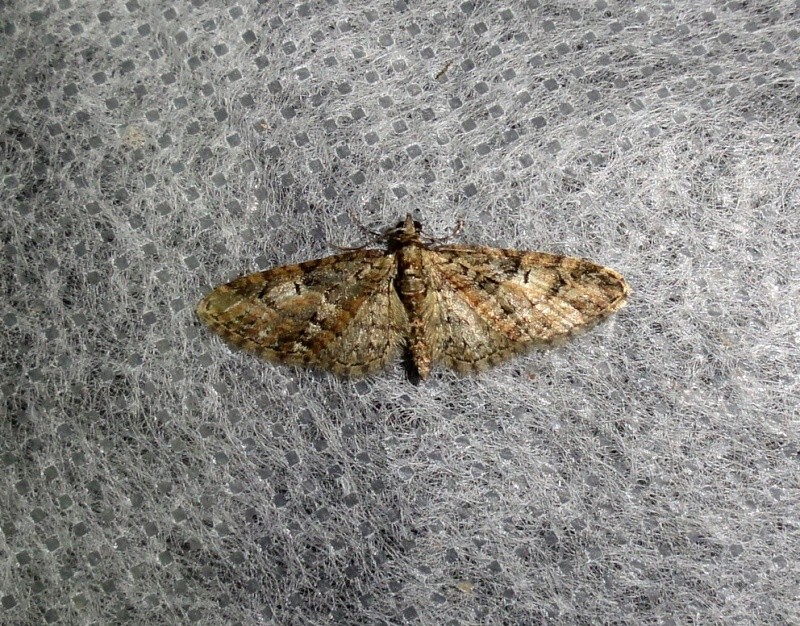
(373, 233)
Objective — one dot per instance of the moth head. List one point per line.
(404, 233)
(409, 226)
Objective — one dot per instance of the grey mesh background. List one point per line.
(645, 473)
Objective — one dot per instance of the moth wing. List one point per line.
(340, 313)
(494, 303)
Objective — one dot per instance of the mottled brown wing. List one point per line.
(495, 303)
(340, 313)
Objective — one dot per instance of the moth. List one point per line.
(463, 307)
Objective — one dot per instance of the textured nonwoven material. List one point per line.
(644, 473)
